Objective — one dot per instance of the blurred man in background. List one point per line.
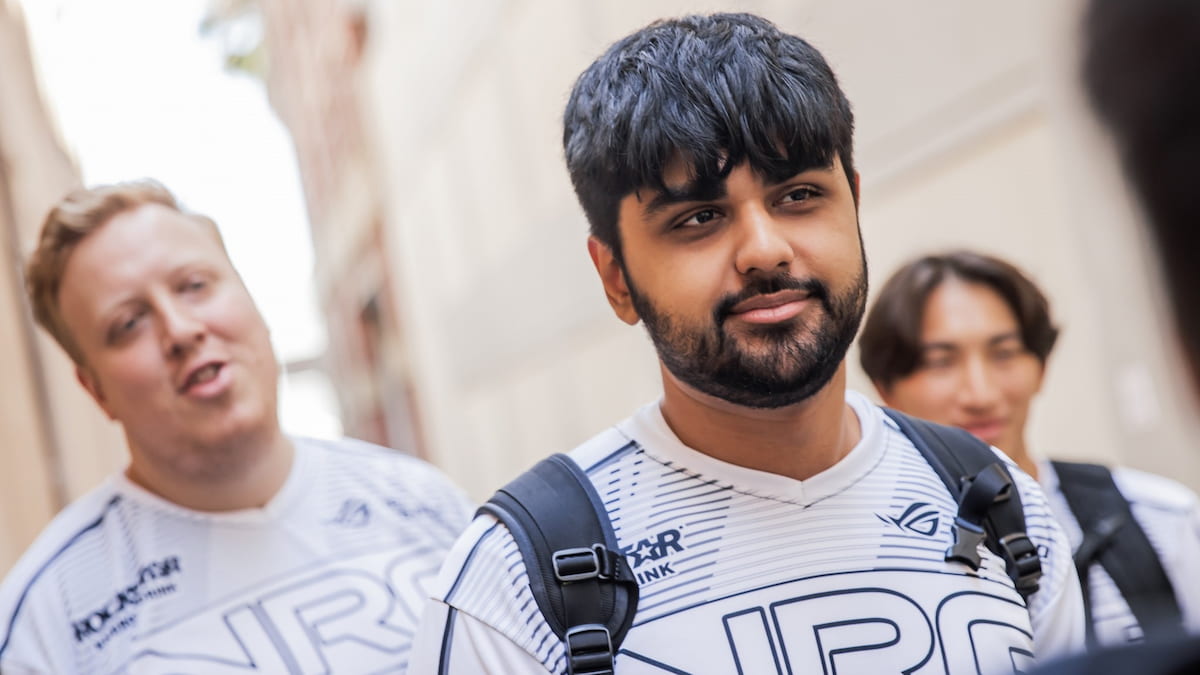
(225, 543)
(1142, 72)
(962, 339)
(713, 158)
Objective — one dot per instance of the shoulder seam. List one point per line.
(462, 571)
(611, 456)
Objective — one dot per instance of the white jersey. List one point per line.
(742, 571)
(1169, 513)
(330, 576)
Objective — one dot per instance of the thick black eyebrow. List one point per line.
(708, 189)
(692, 191)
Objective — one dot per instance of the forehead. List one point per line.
(133, 248)
(960, 311)
(147, 231)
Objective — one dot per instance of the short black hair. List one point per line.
(1142, 72)
(714, 91)
(890, 344)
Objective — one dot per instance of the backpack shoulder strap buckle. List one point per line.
(980, 492)
(589, 650)
(1022, 561)
(967, 538)
(581, 564)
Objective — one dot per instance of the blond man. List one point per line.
(225, 544)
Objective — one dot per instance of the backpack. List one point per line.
(587, 591)
(1112, 538)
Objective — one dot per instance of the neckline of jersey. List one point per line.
(649, 429)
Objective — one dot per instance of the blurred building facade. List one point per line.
(56, 442)
(450, 248)
(310, 69)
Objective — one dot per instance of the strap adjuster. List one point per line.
(990, 486)
(967, 538)
(589, 650)
(1021, 559)
(581, 564)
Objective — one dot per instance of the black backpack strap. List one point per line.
(989, 505)
(1113, 538)
(580, 580)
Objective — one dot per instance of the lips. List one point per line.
(771, 307)
(200, 375)
(768, 301)
(988, 430)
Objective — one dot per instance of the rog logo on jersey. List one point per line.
(920, 517)
(356, 513)
(352, 513)
(152, 582)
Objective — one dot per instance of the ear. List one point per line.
(92, 385)
(857, 189)
(612, 277)
(1041, 377)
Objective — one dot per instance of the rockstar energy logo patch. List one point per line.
(153, 581)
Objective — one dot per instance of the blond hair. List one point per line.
(72, 219)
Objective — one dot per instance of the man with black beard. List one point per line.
(768, 515)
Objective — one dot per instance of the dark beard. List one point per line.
(796, 359)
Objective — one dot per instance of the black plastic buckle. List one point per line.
(581, 564)
(1022, 561)
(967, 538)
(589, 650)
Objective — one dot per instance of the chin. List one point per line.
(238, 425)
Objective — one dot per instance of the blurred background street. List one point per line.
(388, 177)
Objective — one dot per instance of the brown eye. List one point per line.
(936, 360)
(125, 326)
(193, 285)
(699, 218)
(1007, 353)
(798, 195)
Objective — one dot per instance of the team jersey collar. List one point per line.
(649, 430)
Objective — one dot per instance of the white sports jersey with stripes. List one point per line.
(330, 576)
(1169, 513)
(743, 571)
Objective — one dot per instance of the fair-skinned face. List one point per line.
(173, 347)
(975, 372)
(748, 291)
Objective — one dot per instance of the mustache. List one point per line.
(767, 285)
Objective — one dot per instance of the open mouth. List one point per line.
(204, 374)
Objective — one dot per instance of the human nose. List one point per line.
(979, 389)
(762, 246)
(181, 330)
